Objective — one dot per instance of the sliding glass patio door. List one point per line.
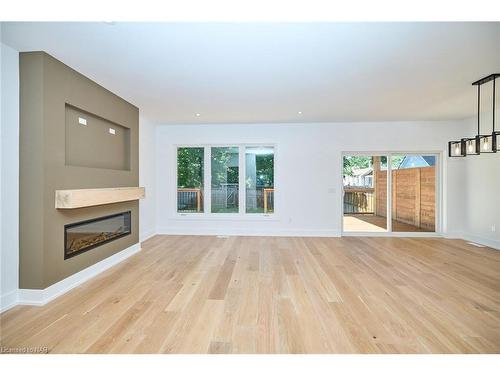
(390, 193)
(413, 200)
(365, 193)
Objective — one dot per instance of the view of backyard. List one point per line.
(190, 167)
(412, 193)
(224, 184)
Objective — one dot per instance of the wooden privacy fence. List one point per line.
(413, 196)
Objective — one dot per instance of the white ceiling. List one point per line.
(258, 72)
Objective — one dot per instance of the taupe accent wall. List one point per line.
(85, 142)
(47, 88)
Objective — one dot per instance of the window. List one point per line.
(259, 179)
(239, 179)
(225, 179)
(190, 177)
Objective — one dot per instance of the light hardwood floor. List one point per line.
(187, 294)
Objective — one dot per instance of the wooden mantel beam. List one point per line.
(78, 198)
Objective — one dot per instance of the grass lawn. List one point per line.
(228, 210)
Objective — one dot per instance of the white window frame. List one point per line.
(207, 185)
(438, 232)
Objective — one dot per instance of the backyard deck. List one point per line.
(372, 223)
(412, 202)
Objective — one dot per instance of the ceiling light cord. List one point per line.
(494, 102)
(478, 107)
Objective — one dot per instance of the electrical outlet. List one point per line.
(494, 228)
(82, 121)
(112, 131)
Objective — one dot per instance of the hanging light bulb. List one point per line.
(470, 148)
(486, 145)
(457, 148)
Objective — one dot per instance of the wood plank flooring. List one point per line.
(201, 294)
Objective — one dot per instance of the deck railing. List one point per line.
(260, 200)
(359, 200)
(268, 200)
(189, 200)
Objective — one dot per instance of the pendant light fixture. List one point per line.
(496, 133)
(479, 144)
(485, 142)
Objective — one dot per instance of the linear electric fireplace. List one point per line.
(85, 235)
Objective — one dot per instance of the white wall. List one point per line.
(9, 176)
(482, 192)
(147, 219)
(308, 164)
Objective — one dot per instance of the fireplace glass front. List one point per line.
(85, 235)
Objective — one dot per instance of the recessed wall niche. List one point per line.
(92, 141)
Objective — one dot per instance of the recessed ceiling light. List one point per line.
(299, 112)
(197, 115)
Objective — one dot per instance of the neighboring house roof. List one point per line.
(362, 172)
(417, 161)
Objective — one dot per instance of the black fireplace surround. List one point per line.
(89, 234)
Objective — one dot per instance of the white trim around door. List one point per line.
(389, 233)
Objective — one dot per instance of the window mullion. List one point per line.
(207, 179)
(389, 193)
(241, 181)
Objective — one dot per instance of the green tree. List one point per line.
(355, 162)
(359, 162)
(396, 161)
(190, 167)
(265, 170)
(225, 165)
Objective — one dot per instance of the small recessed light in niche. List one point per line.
(112, 131)
(198, 115)
(82, 121)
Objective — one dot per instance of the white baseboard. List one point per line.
(197, 231)
(8, 300)
(393, 234)
(453, 235)
(39, 297)
(146, 236)
(494, 244)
